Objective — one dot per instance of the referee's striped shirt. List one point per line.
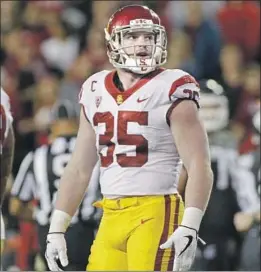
(38, 179)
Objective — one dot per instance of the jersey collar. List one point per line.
(120, 96)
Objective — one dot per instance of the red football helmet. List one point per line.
(129, 19)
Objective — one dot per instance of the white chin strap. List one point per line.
(138, 67)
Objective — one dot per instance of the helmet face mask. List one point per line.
(126, 52)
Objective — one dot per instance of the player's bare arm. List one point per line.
(72, 188)
(79, 169)
(192, 145)
(6, 161)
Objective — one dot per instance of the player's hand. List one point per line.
(56, 249)
(184, 240)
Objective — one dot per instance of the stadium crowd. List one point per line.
(49, 48)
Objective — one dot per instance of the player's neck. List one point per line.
(126, 79)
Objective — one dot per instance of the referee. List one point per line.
(38, 179)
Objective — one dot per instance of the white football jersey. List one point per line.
(6, 117)
(137, 151)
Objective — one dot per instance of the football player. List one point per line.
(143, 120)
(6, 151)
(217, 227)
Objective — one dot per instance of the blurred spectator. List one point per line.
(240, 24)
(60, 49)
(74, 78)
(102, 11)
(78, 17)
(23, 64)
(180, 53)
(205, 39)
(248, 105)
(177, 11)
(9, 12)
(50, 5)
(32, 18)
(96, 49)
(23, 67)
(46, 95)
(232, 66)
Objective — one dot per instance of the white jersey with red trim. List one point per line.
(6, 118)
(137, 151)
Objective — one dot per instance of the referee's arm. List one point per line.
(22, 191)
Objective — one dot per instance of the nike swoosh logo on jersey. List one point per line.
(190, 238)
(141, 100)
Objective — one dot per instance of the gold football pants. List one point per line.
(131, 231)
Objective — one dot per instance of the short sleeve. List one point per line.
(185, 88)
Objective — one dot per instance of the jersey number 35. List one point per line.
(124, 117)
